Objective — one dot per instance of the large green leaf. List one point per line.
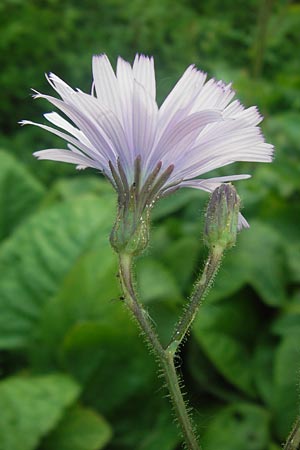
(79, 429)
(257, 260)
(236, 427)
(88, 292)
(225, 331)
(68, 189)
(146, 423)
(20, 193)
(262, 365)
(286, 381)
(36, 259)
(86, 330)
(156, 282)
(111, 360)
(31, 406)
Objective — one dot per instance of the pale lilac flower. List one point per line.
(147, 151)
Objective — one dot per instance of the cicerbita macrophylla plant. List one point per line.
(147, 152)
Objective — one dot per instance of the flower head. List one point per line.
(147, 151)
(221, 221)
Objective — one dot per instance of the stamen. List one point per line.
(155, 189)
(119, 185)
(137, 174)
(124, 180)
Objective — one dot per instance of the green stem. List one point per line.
(125, 264)
(165, 358)
(201, 286)
(178, 403)
(293, 442)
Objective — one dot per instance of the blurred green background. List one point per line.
(75, 374)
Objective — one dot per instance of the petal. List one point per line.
(109, 124)
(250, 115)
(223, 143)
(62, 88)
(106, 84)
(125, 81)
(55, 154)
(144, 121)
(82, 118)
(210, 184)
(178, 137)
(60, 122)
(88, 151)
(214, 95)
(144, 73)
(182, 97)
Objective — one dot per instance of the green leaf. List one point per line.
(286, 381)
(174, 203)
(79, 429)
(36, 259)
(225, 337)
(20, 193)
(88, 293)
(32, 406)
(68, 189)
(87, 330)
(152, 429)
(111, 360)
(206, 377)
(181, 259)
(257, 260)
(239, 426)
(263, 362)
(156, 282)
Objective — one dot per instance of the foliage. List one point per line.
(75, 373)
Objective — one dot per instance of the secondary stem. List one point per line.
(200, 288)
(293, 442)
(165, 357)
(178, 402)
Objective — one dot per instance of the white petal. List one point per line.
(68, 156)
(60, 122)
(179, 137)
(250, 115)
(213, 95)
(144, 121)
(125, 81)
(224, 143)
(88, 151)
(106, 84)
(62, 88)
(85, 122)
(182, 97)
(144, 74)
(108, 126)
(210, 184)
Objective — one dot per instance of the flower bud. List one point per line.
(221, 222)
(130, 233)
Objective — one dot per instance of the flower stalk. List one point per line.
(164, 357)
(293, 441)
(200, 289)
(220, 234)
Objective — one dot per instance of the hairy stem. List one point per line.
(164, 357)
(178, 402)
(293, 442)
(201, 286)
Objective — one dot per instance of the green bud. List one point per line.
(221, 222)
(130, 233)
